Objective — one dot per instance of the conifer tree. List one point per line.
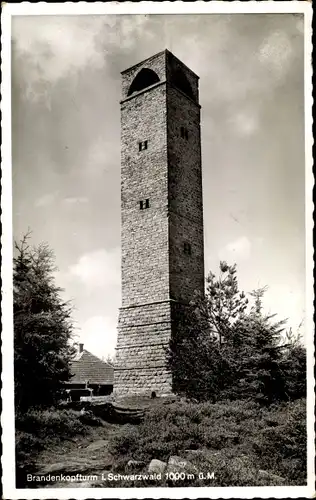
(258, 356)
(294, 365)
(223, 303)
(42, 327)
(225, 349)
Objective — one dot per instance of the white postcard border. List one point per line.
(7, 418)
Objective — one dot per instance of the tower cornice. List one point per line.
(163, 82)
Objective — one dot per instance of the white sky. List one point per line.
(66, 149)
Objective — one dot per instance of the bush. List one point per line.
(39, 429)
(27, 446)
(235, 440)
(171, 429)
(282, 443)
(51, 422)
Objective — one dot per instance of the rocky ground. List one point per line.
(85, 456)
(89, 464)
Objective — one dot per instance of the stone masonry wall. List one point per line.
(144, 175)
(185, 197)
(173, 64)
(144, 334)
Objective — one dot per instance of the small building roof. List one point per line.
(89, 368)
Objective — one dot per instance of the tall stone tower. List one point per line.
(162, 216)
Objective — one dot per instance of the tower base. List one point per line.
(144, 332)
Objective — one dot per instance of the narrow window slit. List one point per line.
(144, 204)
(184, 133)
(187, 248)
(142, 145)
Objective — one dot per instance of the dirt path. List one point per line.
(85, 455)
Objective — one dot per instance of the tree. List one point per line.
(198, 368)
(256, 344)
(199, 355)
(255, 347)
(223, 303)
(294, 365)
(224, 349)
(42, 327)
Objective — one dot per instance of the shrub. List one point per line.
(125, 442)
(27, 446)
(171, 429)
(282, 442)
(51, 422)
(235, 440)
(38, 429)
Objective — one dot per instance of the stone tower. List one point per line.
(161, 216)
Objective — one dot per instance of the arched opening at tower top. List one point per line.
(182, 83)
(145, 78)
